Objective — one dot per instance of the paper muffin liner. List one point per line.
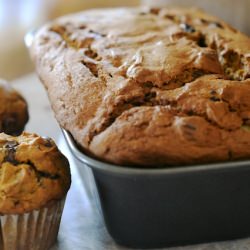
(36, 230)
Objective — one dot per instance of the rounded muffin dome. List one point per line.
(13, 110)
(33, 173)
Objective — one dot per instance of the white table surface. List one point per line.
(82, 226)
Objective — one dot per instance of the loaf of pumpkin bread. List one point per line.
(148, 87)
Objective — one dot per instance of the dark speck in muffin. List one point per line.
(48, 142)
(214, 99)
(10, 147)
(213, 92)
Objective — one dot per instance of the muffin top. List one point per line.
(33, 173)
(13, 110)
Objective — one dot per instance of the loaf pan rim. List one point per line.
(118, 169)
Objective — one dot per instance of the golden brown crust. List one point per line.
(33, 173)
(149, 86)
(13, 110)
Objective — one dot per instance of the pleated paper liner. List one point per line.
(36, 230)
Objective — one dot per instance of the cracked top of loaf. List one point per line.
(148, 86)
(33, 173)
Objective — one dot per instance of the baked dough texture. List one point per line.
(33, 173)
(148, 87)
(13, 110)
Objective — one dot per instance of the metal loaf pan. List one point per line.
(148, 208)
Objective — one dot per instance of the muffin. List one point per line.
(148, 86)
(13, 110)
(34, 180)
